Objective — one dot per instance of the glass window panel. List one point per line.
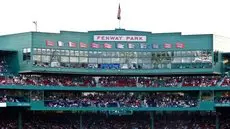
(76, 53)
(177, 60)
(73, 59)
(148, 54)
(57, 52)
(83, 59)
(28, 49)
(85, 53)
(81, 53)
(146, 60)
(37, 58)
(115, 60)
(35, 50)
(122, 60)
(104, 54)
(146, 66)
(24, 50)
(99, 54)
(43, 51)
(133, 60)
(39, 51)
(67, 52)
(117, 54)
(62, 52)
(183, 53)
(140, 60)
(113, 54)
(109, 54)
(71, 52)
(92, 60)
(45, 58)
(48, 51)
(95, 54)
(106, 60)
(122, 54)
(64, 59)
(99, 60)
(90, 53)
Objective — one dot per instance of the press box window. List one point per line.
(26, 54)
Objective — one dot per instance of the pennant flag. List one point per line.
(155, 46)
(179, 45)
(143, 45)
(119, 13)
(119, 45)
(130, 45)
(167, 45)
(106, 45)
(94, 45)
(83, 45)
(49, 43)
(60, 43)
(72, 44)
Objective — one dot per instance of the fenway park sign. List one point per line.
(131, 38)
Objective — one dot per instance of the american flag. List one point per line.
(72, 44)
(49, 43)
(119, 45)
(155, 46)
(167, 45)
(130, 45)
(106, 45)
(83, 45)
(179, 45)
(143, 45)
(95, 45)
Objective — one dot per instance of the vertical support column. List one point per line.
(217, 121)
(81, 121)
(152, 120)
(19, 120)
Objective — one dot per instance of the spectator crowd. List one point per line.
(114, 81)
(121, 100)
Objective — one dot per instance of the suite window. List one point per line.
(26, 54)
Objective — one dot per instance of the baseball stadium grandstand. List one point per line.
(114, 79)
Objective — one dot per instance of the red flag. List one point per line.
(94, 45)
(49, 43)
(83, 45)
(119, 13)
(106, 45)
(72, 44)
(179, 45)
(167, 45)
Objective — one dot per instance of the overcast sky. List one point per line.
(186, 16)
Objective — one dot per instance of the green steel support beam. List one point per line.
(81, 121)
(19, 120)
(151, 120)
(217, 121)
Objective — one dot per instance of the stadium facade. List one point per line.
(114, 62)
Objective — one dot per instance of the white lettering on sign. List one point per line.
(130, 38)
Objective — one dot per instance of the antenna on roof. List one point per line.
(36, 25)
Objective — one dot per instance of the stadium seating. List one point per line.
(115, 81)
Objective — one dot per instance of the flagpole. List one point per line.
(119, 15)
(119, 24)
